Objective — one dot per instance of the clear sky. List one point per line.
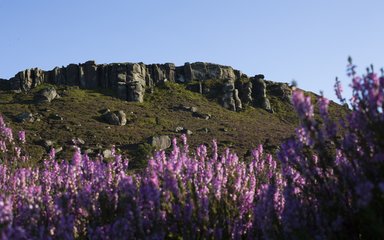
(305, 40)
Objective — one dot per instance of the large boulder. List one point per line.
(160, 142)
(115, 118)
(201, 115)
(25, 117)
(46, 95)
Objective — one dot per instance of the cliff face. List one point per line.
(131, 81)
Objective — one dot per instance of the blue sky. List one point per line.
(305, 40)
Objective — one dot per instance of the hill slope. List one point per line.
(75, 118)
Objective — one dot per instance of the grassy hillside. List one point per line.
(158, 115)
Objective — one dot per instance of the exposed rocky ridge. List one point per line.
(131, 81)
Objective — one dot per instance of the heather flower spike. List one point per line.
(339, 90)
(21, 136)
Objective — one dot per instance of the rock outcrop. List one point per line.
(281, 90)
(4, 84)
(260, 93)
(131, 81)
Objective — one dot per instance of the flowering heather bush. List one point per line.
(328, 183)
(334, 173)
(193, 196)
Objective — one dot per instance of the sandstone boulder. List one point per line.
(55, 117)
(46, 95)
(107, 153)
(201, 115)
(115, 118)
(25, 117)
(160, 142)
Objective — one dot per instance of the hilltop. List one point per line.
(138, 108)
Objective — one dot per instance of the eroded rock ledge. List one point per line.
(131, 81)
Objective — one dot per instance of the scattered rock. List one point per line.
(46, 95)
(55, 117)
(107, 153)
(205, 116)
(185, 108)
(160, 142)
(58, 149)
(193, 109)
(88, 151)
(68, 128)
(179, 129)
(104, 111)
(45, 110)
(188, 132)
(78, 141)
(25, 117)
(115, 118)
(122, 117)
(206, 130)
(47, 144)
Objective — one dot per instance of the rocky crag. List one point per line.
(131, 81)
